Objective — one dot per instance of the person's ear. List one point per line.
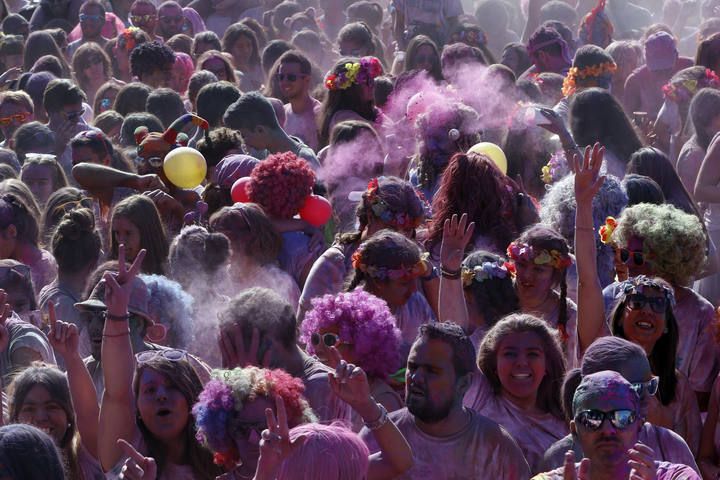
(573, 428)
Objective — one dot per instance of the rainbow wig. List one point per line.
(329, 451)
(280, 184)
(362, 320)
(223, 397)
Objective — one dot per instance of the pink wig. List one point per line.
(329, 452)
(280, 184)
(364, 321)
(185, 66)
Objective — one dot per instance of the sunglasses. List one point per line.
(593, 419)
(171, 354)
(141, 19)
(651, 386)
(18, 117)
(66, 207)
(90, 18)
(154, 162)
(172, 19)
(290, 77)
(637, 301)
(638, 258)
(74, 116)
(328, 339)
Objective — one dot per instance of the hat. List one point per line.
(607, 385)
(139, 300)
(232, 168)
(660, 51)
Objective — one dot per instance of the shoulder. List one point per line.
(675, 471)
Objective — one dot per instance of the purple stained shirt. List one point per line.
(534, 432)
(482, 449)
(665, 471)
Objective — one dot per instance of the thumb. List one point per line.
(130, 451)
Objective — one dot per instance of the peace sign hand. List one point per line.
(64, 337)
(275, 445)
(118, 287)
(137, 466)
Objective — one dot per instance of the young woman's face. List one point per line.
(533, 281)
(95, 70)
(162, 406)
(349, 48)
(425, 57)
(42, 411)
(395, 292)
(241, 50)
(126, 233)
(641, 323)
(521, 365)
(39, 179)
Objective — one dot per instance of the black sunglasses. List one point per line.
(638, 258)
(290, 77)
(637, 301)
(593, 419)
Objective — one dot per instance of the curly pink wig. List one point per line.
(330, 451)
(363, 320)
(280, 184)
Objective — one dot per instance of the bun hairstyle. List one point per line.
(76, 244)
(14, 212)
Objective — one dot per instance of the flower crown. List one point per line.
(607, 230)
(555, 169)
(685, 90)
(126, 40)
(389, 217)
(404, 272)
(591, 71)
(523, 251)
(354, 73)
(641, 282)
(484, 271)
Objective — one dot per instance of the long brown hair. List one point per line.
(142, 213)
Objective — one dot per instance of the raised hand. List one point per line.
(64, 337)
(642, 463)
(555, 123)
(232, 348)
(275, 444)
(587, 173)
(569, 472)
(137, 466)
(456, 236)
(118, 287)
(349, 382)
(5, 311)
(149, 182)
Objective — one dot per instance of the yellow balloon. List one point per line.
(494, 152)
(185, 167)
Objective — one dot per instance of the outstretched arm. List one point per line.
(95, 177)
(456, 236)
(591, 308)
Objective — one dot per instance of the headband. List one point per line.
(403, 272)
(387, 215)
(484, 271)
(522, 251)
(354, 73)
(641, 282)
(591, 71)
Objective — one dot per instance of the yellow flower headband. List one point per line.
(591, 71)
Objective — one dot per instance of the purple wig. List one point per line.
(362, 320)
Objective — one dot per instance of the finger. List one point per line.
(586, 158)
(641, 447)
(282, 417)
(446, 227)
(575, 162)
(463, 222)
(335, 357)
(271, 420)
(52, 316)
(59, 332)
(130, 451)
(237, 342)
(111, 284)
(121, 258)
(137, 264)
(469, 233)
(584, 470)
(229, 349)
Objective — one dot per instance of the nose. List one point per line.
(161, 394)
(607, 427)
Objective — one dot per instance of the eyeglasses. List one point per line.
(171, 354)
(290, 77)
(651, 386)
(73, 116)
(154, 162)
(141, 19)
(328, 339)
(593, 419)
(637, 301)
(638, 258)
(18, 117)
(91, 18)
(172, 19)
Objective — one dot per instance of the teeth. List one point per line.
(521, 375)
(645, 325)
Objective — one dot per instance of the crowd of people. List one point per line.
(360, 239)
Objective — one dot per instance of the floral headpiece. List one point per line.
(523, 251)
(484, 271)
(642, 282)
(591, 71)
(684, 91)
(126, 40)
(607, 230)
(555, 169)
(588, 24)
(352, 73)
(421, 268)
(389, 217)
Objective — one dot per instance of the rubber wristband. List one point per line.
(118, 318)
(380, 422)
(450, 274)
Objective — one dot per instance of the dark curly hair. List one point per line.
(149, 57)
(280, 184)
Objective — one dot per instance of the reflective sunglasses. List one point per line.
(328, 339)
(637, 301)
(638, 258)
(290, 77)
(18, 117)
(593, 419)
(84, 17)
(172, 19)
(172, 354)
(141, 19)
(651, 386)
(154, 162)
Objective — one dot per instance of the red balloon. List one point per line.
(239, 190)
(316, 210)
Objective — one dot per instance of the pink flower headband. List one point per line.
(523, 251)
(354, 73)
(404, 272)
